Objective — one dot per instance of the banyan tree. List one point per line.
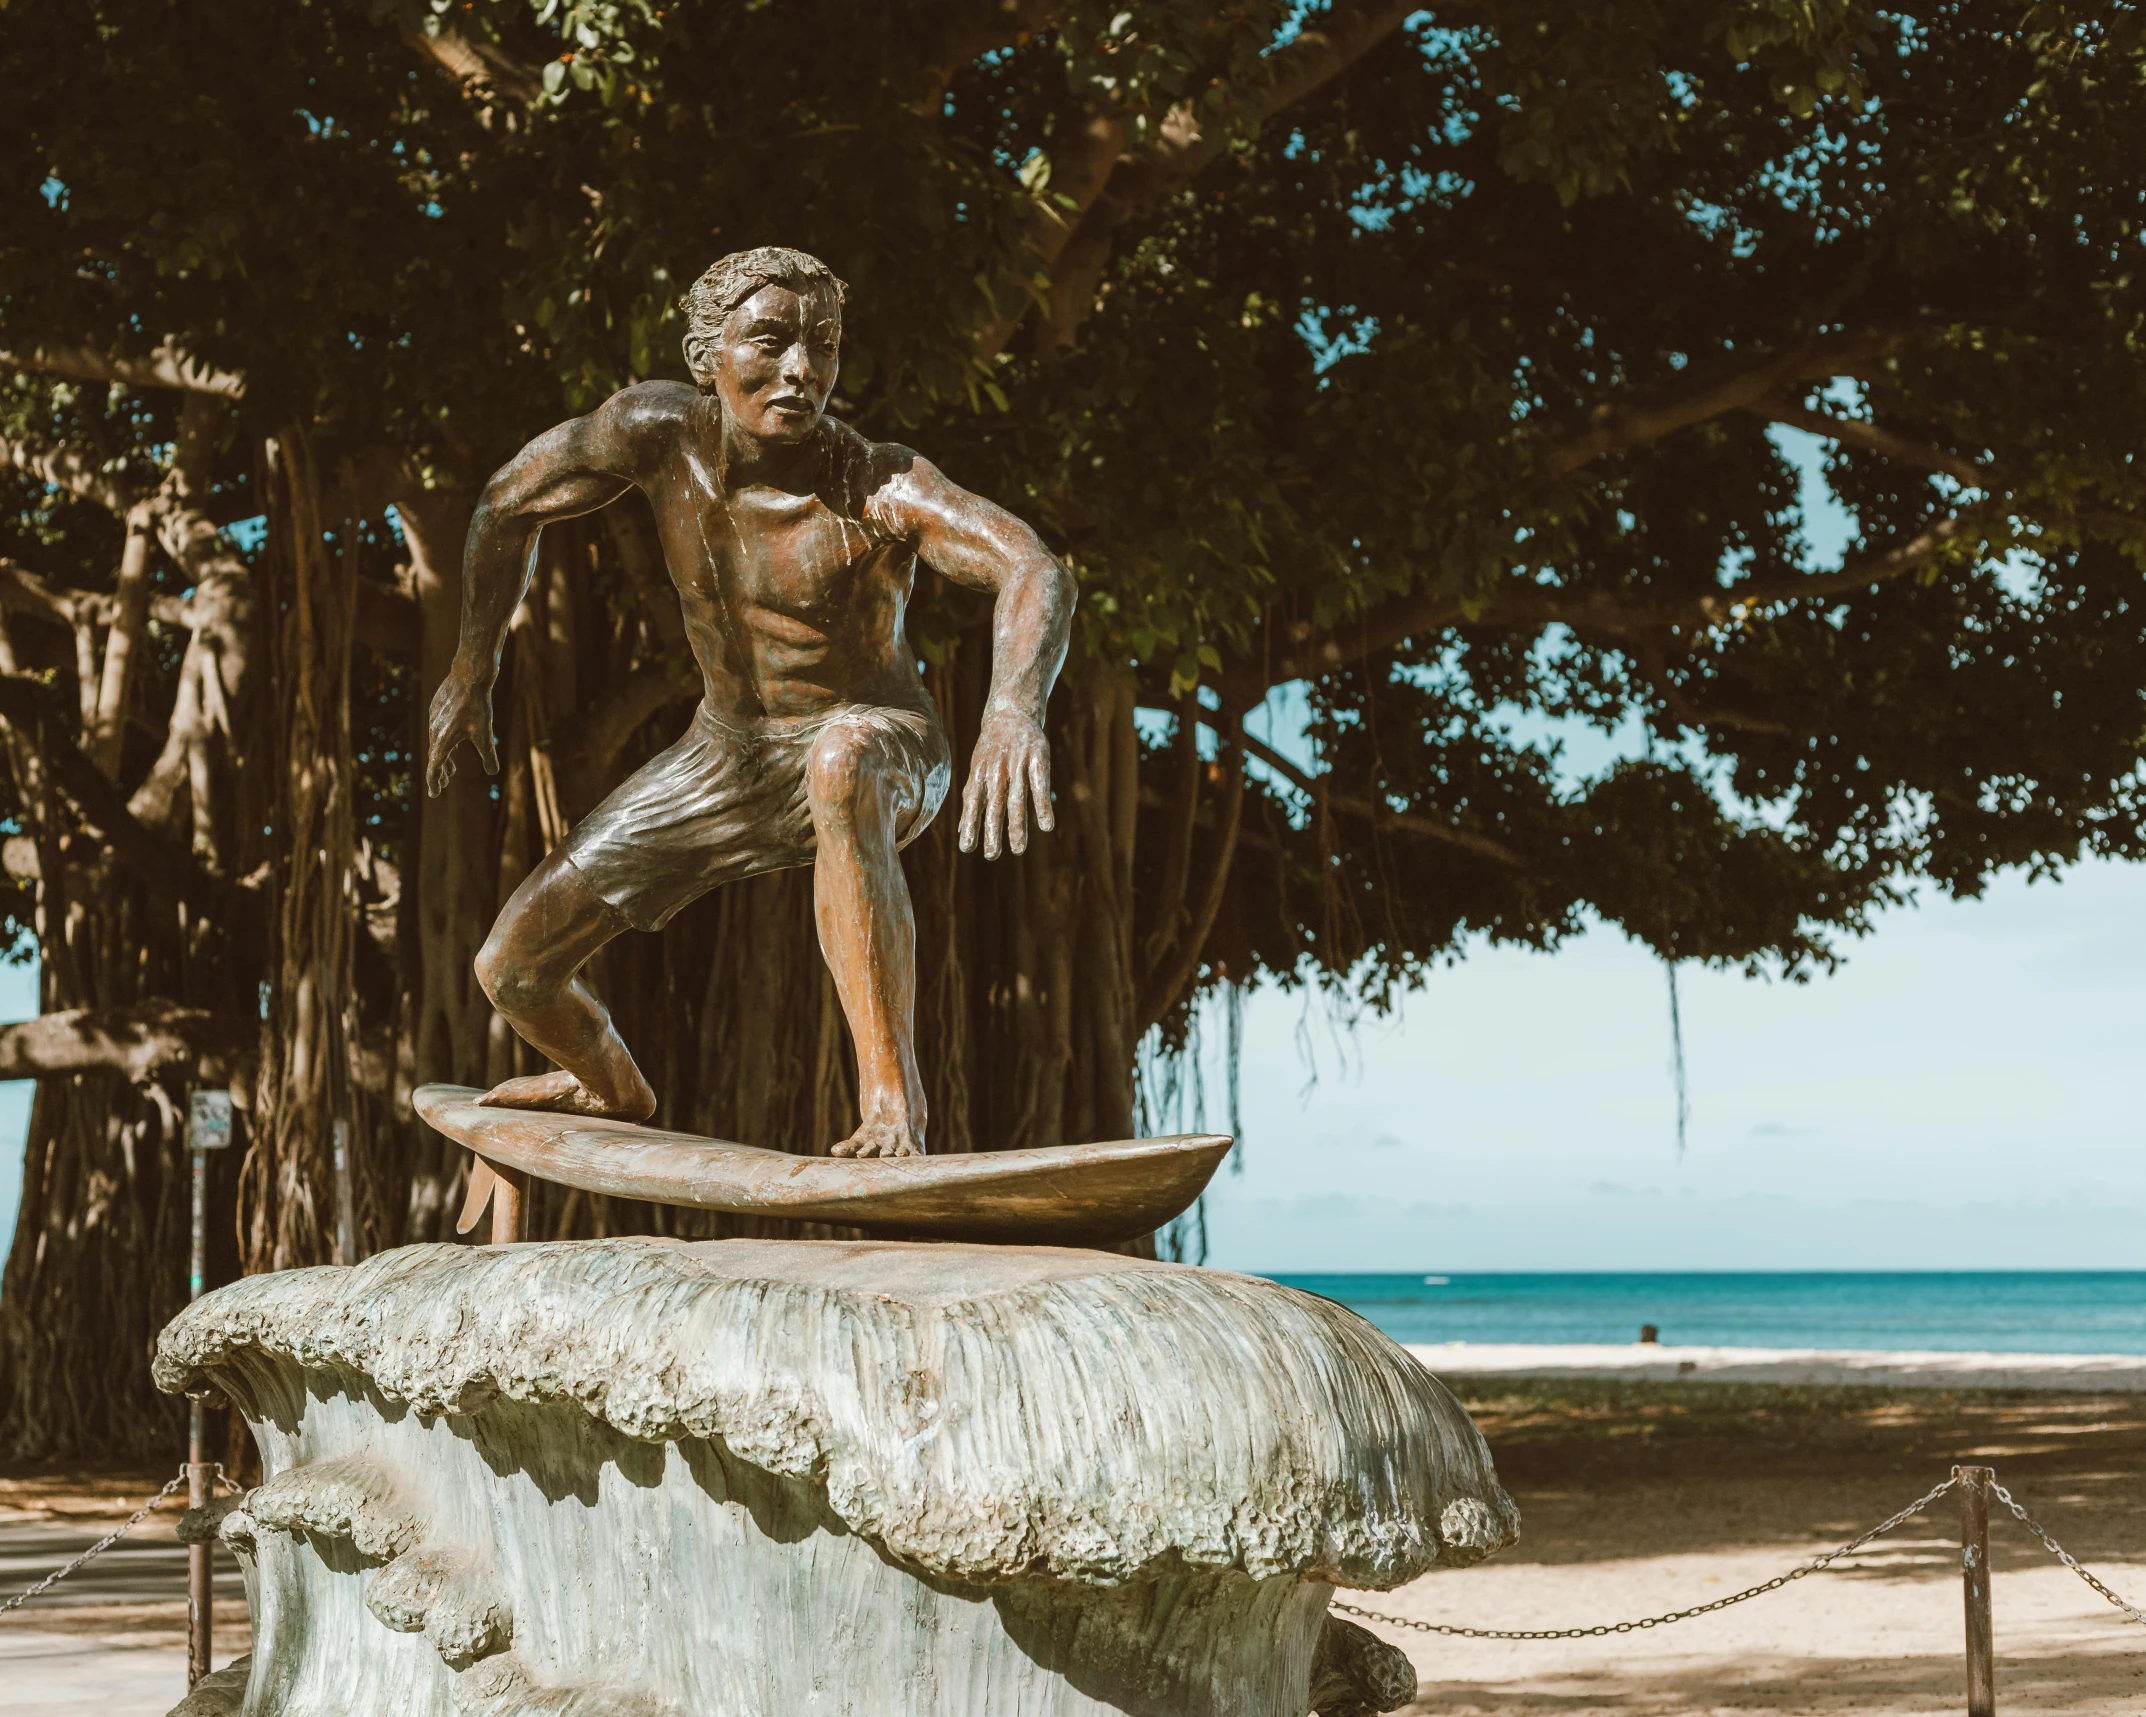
(1412, 371)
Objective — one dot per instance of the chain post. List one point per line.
(1974, 1484)
(208, 1129)
(200, 1595)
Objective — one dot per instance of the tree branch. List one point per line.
(1861, 573)
(1906, 450)
(1313, 58)
(1320, 790)
(28, 706)
(1636, 420)
(989, 27)
(165, 366)
(1870, 438)
(481, 64)
(1079, 171)
(64, 465)
(138, 1042)
(1310, 652)
(1132, 185)
(23, 592)
(1179, 961)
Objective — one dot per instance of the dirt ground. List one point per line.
(1636, 1499)
(111, 1640)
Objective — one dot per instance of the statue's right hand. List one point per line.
(461, 709)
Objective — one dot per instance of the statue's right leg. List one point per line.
(531, 967)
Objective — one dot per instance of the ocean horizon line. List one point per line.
(1462, 1274)
(2084, 1312)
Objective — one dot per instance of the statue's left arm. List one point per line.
(976, 543)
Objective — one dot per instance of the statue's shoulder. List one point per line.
(636, 432)
(856, 454)
(865, 474)
(650, 408)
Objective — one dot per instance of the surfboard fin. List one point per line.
(483, 1178)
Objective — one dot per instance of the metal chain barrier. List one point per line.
(113, 1537)
(1815, 1565)
(2065, 1556)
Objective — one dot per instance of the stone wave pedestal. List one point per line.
(751, 1478)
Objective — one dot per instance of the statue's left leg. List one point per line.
(863, 789)
(530, 966)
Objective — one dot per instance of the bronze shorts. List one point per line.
(726, 802)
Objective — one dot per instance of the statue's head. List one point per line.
(764, 334)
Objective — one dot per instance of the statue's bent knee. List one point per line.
(508, 981)
(839, 771)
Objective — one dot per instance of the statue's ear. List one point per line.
(700, 360)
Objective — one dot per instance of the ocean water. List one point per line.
(1998, 1311)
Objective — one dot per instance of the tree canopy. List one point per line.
(1430, 368)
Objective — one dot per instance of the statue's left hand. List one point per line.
(461, 709)
(1010, 770)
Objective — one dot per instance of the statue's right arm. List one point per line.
(567, 471)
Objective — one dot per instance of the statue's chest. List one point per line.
(793, 553)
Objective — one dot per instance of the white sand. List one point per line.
(1648, 1361)
(88, 1675)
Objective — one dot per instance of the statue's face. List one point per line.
(774, 361)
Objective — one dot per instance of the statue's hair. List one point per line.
(742, 273)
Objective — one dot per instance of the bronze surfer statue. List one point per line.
(793, 543)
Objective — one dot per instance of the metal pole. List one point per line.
(200, 1598)
(1975, 1583)
(346, 1212)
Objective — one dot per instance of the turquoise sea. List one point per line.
(1998, 1311)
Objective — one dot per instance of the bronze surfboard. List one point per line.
(1069, 1195)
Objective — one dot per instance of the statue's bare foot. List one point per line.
(882, 1139)
(563, 1094)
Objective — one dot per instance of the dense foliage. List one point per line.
(1379, 362)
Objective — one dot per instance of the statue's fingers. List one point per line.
(1016, 808)
(972, 808)
(1039, 788)
(995, 810)
(488, 749)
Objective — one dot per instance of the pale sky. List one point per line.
(1961, 1094)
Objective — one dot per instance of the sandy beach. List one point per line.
(1638, 1495)
(1654, 1362)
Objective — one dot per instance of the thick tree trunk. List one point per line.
(99, 1256)
(449, 898)
(288, 1195)
(99, 1253)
